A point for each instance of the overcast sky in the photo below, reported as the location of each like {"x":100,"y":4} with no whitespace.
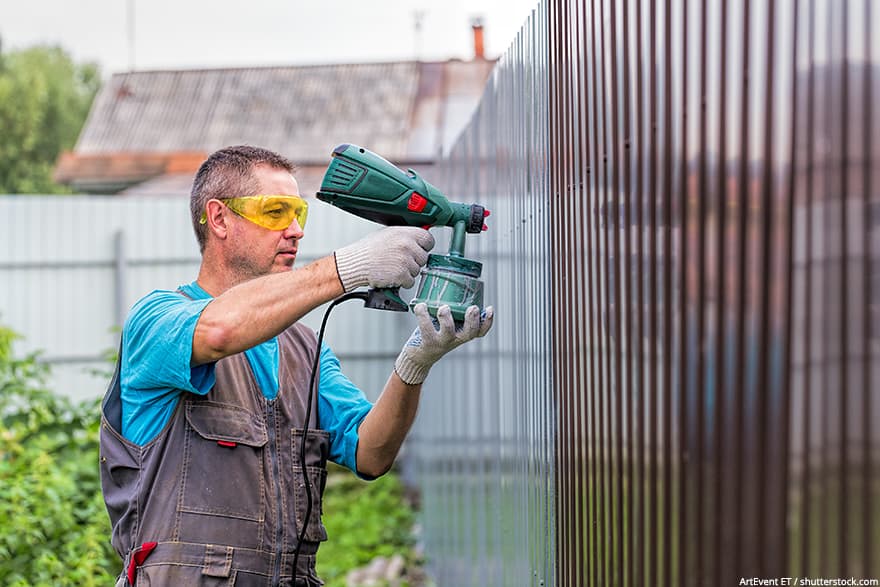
{"x":222,"y":33}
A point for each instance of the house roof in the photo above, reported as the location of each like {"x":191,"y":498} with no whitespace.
{"x":143,"y":122}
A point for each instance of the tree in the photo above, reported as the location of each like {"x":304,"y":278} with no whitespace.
{"x":44,"y":100}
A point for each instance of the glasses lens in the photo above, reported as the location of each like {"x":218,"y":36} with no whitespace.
{"x":272,"y":212}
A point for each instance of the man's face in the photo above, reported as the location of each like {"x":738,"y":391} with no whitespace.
{"x":255,"y":250}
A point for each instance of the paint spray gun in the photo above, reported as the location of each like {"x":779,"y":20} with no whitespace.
{"x":367,"y":185}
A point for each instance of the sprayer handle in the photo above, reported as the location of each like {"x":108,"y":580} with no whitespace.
{"x":385,"y":298}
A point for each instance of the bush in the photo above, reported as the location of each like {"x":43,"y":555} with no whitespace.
{"x":55,"y":527}
{"x":364,"y":520}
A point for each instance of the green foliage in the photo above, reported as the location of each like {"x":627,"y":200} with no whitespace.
{"x":364,"y":520}
{"x":55,"y":529}
{"x":44,"y":100}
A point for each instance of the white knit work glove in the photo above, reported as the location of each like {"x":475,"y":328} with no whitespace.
{"x":391,"y":257}
{"x":428,"y":343}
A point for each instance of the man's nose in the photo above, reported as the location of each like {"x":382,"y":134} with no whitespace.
{"x":294,"y":231}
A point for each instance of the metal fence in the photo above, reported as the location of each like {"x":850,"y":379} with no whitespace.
{"x":683,"y":384}
{"x":483,"y":448}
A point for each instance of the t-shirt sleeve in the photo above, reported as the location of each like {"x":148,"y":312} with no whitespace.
{"x":341,"y":409}
{"x":156,"y":353}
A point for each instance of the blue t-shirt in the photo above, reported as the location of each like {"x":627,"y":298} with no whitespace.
{"x":155,"y":371}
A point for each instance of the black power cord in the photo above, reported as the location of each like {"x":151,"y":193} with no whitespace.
{"x":367,"y":296}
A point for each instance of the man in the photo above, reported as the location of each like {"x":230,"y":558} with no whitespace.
{"x":204,"y":419}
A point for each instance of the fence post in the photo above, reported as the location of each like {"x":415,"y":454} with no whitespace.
{"x":120,"y":270}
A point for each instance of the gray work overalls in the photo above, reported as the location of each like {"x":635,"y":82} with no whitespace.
{"x":218,"y":497}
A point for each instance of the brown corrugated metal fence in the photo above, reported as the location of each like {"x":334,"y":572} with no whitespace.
{"x":718,"y":419}
{"x":700,"y":184}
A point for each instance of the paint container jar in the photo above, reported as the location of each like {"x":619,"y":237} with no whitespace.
{"x":450,"y":280}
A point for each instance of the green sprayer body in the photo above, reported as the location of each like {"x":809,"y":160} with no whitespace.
{"x":367,"y":185}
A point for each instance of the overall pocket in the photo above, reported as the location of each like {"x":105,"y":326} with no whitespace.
{"x":223,"y":462}
{"x":170,"y":574}
{"x":317,"y":450}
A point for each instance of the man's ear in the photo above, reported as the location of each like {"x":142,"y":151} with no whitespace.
{"x":215,"y":213}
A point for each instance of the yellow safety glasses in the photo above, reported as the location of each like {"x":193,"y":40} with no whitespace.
{"x":272,"y":212}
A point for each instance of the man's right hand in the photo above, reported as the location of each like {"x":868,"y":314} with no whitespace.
{"x":391,"y":257}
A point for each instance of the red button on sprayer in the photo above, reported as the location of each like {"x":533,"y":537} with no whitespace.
{"x":417,"y":202}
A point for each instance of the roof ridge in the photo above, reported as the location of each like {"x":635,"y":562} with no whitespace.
{"x":280,"y":66}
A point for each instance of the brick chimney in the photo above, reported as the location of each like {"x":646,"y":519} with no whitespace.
{"x":477,"y":26}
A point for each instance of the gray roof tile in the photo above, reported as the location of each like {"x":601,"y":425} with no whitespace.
{"x":297,"y":111}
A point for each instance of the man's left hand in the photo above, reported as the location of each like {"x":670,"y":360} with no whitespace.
{"x":433,"y":339}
